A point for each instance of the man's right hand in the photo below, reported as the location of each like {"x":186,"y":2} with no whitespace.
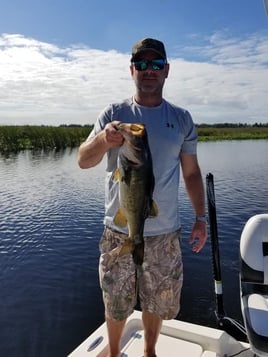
{"x":112,"y":136}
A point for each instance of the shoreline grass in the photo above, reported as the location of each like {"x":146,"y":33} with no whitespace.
{"x":17,"y":138}
{"x":36,"y":138}
{"x":213,"y":133}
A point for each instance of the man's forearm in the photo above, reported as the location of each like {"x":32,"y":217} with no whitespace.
{"x":91,"y":152}
{"x":195,"y":189}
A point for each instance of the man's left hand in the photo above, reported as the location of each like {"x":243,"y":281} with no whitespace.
{"x":198,"y":236}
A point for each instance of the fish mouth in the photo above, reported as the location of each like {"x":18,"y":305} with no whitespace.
{"x":136,"y":129}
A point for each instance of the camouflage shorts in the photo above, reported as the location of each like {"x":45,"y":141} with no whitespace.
{"x":158,"y":281}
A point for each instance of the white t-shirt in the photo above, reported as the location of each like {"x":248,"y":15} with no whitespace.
{"x":171,"y":131}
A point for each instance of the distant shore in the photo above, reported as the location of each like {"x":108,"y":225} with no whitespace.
{"x":17,"y":138}
{"x":232,"y":132}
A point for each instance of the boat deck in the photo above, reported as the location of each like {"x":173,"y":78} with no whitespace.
{"x":176,"y":339}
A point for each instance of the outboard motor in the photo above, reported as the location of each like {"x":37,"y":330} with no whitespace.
{"x":254,"y":282}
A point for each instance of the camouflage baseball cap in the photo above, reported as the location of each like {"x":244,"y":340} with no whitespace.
{"x":148,"y":44}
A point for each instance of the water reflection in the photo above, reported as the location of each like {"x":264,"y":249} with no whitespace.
{"x":51,"y":220}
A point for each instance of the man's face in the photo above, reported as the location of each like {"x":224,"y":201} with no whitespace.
{"x":149,"y":81}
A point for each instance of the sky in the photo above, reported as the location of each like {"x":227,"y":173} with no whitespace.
{"x":63,"y":61}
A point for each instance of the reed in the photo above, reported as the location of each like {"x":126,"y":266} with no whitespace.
{"x":213,"y":133}
{"x":16,"y":138}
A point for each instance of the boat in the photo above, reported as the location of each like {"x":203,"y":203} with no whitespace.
{"x":179,"y":338}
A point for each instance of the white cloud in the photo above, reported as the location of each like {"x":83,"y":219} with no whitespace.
{"x":42,"y":83}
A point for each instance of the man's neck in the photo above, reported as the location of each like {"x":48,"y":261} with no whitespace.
{"x":148,"y":101}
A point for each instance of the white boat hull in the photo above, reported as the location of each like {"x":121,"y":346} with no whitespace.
{"x":177,"y":338}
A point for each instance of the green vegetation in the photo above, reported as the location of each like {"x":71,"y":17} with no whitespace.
{"x":232,"y":132}
{"x":16,"y":138}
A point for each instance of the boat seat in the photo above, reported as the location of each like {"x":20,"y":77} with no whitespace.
{"x":254,"y":282}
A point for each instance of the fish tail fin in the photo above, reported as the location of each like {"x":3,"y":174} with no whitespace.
{"x":138,"y":253}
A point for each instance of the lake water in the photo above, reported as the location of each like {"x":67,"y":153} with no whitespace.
{"x":50,"y":223}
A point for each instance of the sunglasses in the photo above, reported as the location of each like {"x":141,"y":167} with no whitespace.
{"x":156,"y":64}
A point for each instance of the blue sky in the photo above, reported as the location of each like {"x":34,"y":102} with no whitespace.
{"x":62,"y":61}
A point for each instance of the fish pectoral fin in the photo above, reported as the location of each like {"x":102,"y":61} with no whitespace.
{"x":153,"y":211}
{"x":127,"y":248}
{"x":116,"y":175}
{"x":120,"y":219}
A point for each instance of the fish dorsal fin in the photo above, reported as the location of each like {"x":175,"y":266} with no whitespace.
{"x":120,"y":219}
{"x":153,"y":211}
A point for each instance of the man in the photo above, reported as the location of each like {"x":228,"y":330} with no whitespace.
{"x":172,"y":139}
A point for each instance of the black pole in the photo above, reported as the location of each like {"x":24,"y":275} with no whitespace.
{"x":234,"y":328}
{"x":215,"y":247}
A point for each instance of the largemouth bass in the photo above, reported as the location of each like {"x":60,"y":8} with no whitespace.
{"x":136,"y":186}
